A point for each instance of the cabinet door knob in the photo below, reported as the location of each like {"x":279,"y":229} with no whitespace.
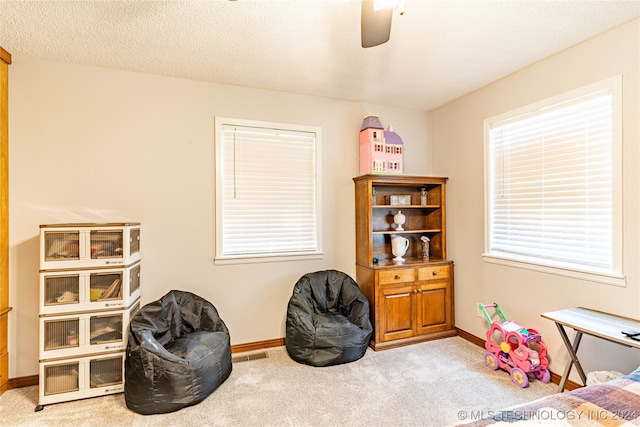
{"x":397,"y":277}
{"x":435,"y":273}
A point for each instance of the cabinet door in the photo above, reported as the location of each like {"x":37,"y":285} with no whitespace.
{"x":60,"y":377}
{"x":434,"y":300}
{"x":397,"y":312}
{"x":4,"y":353}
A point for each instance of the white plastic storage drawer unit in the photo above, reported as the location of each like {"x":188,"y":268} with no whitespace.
{"x":81,"y":377}
{"x":65,"y":291}
{"x":80,"y":334}
{"x":72,"y":246}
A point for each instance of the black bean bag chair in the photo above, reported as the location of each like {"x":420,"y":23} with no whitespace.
{"x":178,"y":353}
{"x":327,"y":320}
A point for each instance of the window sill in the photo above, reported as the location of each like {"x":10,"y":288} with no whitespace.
{"x":605,"y":278}
{"x":254,"y":259}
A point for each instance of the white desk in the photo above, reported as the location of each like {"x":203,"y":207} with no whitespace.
{"x":591,"y":322}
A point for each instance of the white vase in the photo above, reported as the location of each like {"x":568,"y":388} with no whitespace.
{"x":399,"y":219}
{"x":399,"y":246}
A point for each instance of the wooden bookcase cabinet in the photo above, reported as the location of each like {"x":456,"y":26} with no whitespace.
{"x":89,"y":289}
{"x":410,"y":301}
{"x":5,"y":308}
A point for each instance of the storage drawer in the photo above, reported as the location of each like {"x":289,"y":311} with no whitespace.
{"x":4,"y":369}
{"x":71,"y":246}
{"x":84,"y":290}
{"x":84,"y":333}
{"x":434,"y":272}
{"x":400,"y":275}
{"x":81,"y":377}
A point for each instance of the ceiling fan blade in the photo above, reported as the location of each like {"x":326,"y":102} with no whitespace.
{"x":375,"y":26}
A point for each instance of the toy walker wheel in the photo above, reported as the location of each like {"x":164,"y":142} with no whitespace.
{"x":519,"y":377}
{"x":543,"y":375}
{"x":491,"y":361}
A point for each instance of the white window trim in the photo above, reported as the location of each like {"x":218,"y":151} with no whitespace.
{"x":221,"y":259}
{"x":615,"y":278}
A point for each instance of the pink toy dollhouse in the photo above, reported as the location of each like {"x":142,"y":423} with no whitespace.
{"x":380,"y":150}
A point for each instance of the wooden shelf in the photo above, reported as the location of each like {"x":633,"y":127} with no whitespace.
{"x":406,"y":206}
{"x":408,"y":262}
{"x":429,"y":231}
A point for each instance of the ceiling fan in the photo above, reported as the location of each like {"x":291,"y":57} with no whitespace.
{"x":375,"y":25}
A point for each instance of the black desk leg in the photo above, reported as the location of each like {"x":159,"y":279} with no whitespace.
{"x":572,"y":349}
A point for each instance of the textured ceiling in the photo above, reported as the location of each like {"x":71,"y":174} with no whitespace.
{"x":439,"y":50}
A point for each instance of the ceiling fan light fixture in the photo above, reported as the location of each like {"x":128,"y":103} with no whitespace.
{"x":385,"y":4}
{"x":375,"y":25}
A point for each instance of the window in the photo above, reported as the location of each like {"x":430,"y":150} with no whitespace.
{"x":268,"y":195}
{"x":554,"y":186}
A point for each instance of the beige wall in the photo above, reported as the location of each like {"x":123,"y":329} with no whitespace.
{"x":458,"y":153}
{"x":92,"y":144}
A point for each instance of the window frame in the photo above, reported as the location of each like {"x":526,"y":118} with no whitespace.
{"x":616,"y":275}
{"x":220,"y":257}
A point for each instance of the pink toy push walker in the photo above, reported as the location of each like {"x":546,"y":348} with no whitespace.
{"x":518,"y":350}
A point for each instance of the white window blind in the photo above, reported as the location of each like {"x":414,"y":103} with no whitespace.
{"x":267,"y":190}
{"x":553,"y":193}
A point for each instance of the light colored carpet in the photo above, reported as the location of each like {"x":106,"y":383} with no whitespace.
{"x":435,"y":383}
